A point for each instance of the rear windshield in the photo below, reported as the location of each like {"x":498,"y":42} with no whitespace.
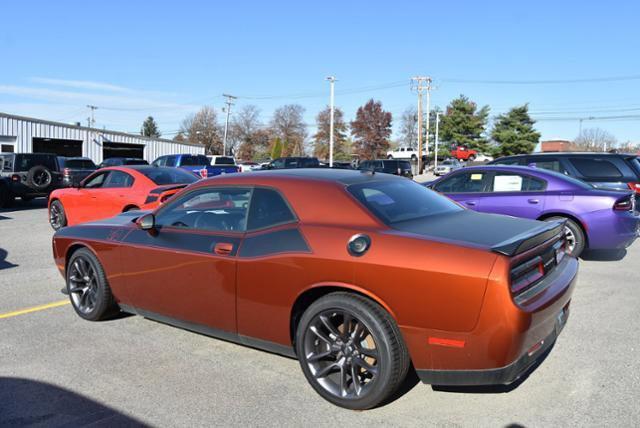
{"x":224,"y":160}
{"x":26,"y":162}
{"x":162,"y":176}
{"x":199,"y":160}
{"x":395,"y":201}
{"x":136,"y":162}
{"x":78,"y":164}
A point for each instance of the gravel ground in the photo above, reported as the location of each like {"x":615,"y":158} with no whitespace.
{"x":56,"y":369}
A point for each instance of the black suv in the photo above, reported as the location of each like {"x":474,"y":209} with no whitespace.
{"x":122,"y":161}
{"x":388,"y":166}
{"x":27,"y":175}
{"x":616,"y":171}
{"x":293,"y":162}
{"x":74,"y":170}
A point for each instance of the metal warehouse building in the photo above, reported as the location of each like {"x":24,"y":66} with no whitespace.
{"x":27,"y":135}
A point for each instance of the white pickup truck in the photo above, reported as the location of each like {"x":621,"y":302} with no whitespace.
{"x":404,"y":153}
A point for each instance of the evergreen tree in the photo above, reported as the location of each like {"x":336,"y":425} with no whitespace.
{"x":276,"y":150}
{"x":513,"y":132}
{"x":464,"y":124}
{"x":150,"y":128}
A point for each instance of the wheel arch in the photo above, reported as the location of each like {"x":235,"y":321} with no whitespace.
{"x":130,"y":207}
{"x":316,"y":291}
{"x":71,"y":249}
{"x":575,"y":219}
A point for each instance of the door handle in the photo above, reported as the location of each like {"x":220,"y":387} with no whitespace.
{"x":223,"y":248}
{"x":534,"y":201}
{"x":470,"y":203}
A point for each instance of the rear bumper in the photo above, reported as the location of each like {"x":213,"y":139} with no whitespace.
{"x":612,"y":231}
{"x":498,"y":376}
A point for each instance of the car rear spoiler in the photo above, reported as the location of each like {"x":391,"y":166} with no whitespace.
{"x":525,"y":241}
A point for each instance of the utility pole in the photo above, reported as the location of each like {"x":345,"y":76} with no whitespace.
{"x":420,"y":83}
{"x":91,"y":121}
{"x":332,"y":81}
{"x":229,"y":103}
{"x":428,"y":117}
{"x":435,"y":155}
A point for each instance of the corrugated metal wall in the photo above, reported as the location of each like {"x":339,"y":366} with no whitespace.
{"x":25,"y":129}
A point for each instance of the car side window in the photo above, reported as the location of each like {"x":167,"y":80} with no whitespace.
{"x":469,"y":182}
{"x":117,"y":179}
{"x":596,"y":168}
{"x":96,"y":181}
{"x":552,"y":164}
{"x":171,"y":161}
{"x":268,"y":208}
{"x":212,"y":209}
{"x":278,"y":163}
{"x":162,"y":161}
{"x":510,"y":182}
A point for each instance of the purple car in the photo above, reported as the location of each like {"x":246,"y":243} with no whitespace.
{"x":596,"y":219}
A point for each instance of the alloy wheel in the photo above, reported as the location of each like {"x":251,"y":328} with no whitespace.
{"x":55,"y":217}
{"x":83,"y":285}
{"x":570,"y":238}
{"x":341,"y":354}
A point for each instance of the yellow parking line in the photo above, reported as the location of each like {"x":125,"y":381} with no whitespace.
{"x":34,"y":309}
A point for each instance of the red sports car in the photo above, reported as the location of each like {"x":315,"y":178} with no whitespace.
{"x":357,"y":274}
{"x":111,"y":191}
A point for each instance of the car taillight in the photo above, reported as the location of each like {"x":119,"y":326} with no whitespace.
{"x":635,"y":186}
{"x":66,"y":172}
{"x":626,"y":204}
{"x":238,"y":169}
{"x":15,"y":177}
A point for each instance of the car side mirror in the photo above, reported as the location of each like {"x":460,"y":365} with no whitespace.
{"x":147,"y":222}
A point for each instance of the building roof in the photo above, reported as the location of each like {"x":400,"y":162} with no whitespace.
{"x":86,"y":128}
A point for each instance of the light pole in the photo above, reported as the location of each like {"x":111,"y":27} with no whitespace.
{"x":332,"y":81}
{"x":435,"y":155}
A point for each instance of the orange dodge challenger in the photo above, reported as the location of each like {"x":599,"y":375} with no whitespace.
{"x":356,"y":274}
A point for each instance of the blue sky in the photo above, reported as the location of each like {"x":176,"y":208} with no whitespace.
{"x":166,"y":59}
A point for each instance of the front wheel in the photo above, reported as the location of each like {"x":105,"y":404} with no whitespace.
{"x":574,"y":235}
{"x":57,"y":216}
{"x":389,"y":157}
{"x":472,"y":158}
{"x":88,"y":288}
{"x":351,"y":351}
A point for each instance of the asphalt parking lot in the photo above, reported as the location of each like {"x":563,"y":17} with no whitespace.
{"x":56,"y":369}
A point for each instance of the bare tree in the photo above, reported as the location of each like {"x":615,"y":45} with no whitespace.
{"x":409,"y":128}
{"x":594,"y":140}
{"x":203,"y":128}
{"x":288,"y":124}
{"x":256,"y":147}
{"x":244,"y":125}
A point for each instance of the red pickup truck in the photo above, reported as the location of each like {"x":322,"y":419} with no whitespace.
{"x":462,"y":153}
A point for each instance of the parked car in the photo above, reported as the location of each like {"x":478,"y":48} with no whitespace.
{"x":404,"y":153}
{"x":113,"y":190}
{"x":221,"y":160}
{"x":342,"y":164}
{"x":118,"y":161}
{"x":446,"y":166}
{"x":28,"y":176}
{"x":463,"y":154}
{"x":481,"y":157}
{"x":602,"y":170}
{"x":358,"y":298}
{"x":387,"y":166}
{"x":293,"y":162}
{"x":249,"y":166}
{"x":75,"y":169}
{"x":595,"y":219}
{"x":198,"y":164}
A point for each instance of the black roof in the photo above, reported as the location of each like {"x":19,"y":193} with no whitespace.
{"x":345,"y":176}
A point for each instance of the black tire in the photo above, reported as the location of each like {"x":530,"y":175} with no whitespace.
{"x":130,"y":208}
{"x":39,"y":178}
{"x":389,"y":156}
{"x":414,"y":158}
{"x":57,"y":215}
{"x":472,"y":158}
{"x":379,"y":370}
{"x":95,"y":291}
{"x":575,"y":232}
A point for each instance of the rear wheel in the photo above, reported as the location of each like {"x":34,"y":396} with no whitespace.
{"x":389,"y":157}
{"x":88,"y":288}
{"x":472,"y":158}
{"x":351,"y":351}
{"x":57,"y":216}
{"x":574,"y":235}
{"x":130,"y":208}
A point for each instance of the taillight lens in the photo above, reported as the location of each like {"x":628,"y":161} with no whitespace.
{"x":635,"y":186}
{"x":66,"y":172}
{"x":626,"y":204}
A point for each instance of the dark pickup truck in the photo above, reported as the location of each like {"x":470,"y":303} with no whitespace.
{"x":197,"y":164}
{"x":28,"y":176}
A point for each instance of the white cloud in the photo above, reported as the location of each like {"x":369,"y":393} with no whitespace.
{"x":81,"y":84}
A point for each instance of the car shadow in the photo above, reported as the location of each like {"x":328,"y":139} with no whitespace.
{"x":4,"y":264}
{"x":26,"y":402}
{"x":5,"y":217}
{"x":495,"y":389}
{"x":603,"y":255}
{"x":19,"y":205}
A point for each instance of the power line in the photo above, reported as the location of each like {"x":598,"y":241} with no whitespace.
{"x":544,"y":82}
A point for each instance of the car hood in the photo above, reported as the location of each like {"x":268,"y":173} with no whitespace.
{"x":502,"y":234}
